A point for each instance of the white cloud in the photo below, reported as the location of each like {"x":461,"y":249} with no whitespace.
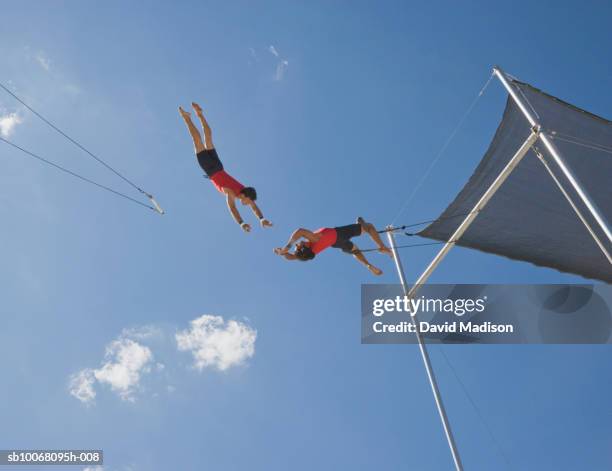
{"x":273,"y":51}
{"x":82,"y":386}
{"x":125,"y":361}
{"x":8,"y":122}
{"x":216,"y":343}
{"x":281,"y":67}
{"x":129,"y":366}
{"x":43,"y":61}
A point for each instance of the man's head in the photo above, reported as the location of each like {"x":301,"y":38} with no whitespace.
{"x":247,"y":194}
{"x":303,"y":252}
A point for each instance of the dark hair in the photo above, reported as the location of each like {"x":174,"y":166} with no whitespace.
{"x":304,"y":253}
{"x":249,"y":192}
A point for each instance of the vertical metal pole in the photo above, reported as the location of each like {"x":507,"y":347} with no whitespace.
{"x":484,"y":199}
{"x":430,"y":374}
{"x":556,"y":155}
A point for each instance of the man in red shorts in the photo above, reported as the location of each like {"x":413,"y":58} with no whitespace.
{"x":337,"y":237}
{"x":212,"y":166}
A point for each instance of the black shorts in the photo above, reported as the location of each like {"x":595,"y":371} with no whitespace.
{"x":209,"y":161}
{"x":344,"y":235}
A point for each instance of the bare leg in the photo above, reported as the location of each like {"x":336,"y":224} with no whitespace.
{"x":205,"y":127}
{"x":371,"y":230}
{"x":195,"y":134}
{"x":361,"y":258}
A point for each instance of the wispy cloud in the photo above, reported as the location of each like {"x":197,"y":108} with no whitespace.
{"x":82,"y":386}
{"x":273,"y":51}
{"x":146,"y":332}
{"x":43,"y":61}
{"x":281,"y":68}
{"x":213,"y":342}
{"x":281,"y":63}
{"x":8,"y":123}
{"x":125,"y":362}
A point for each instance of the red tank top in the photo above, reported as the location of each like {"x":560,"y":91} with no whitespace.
{"x":222,"y":179}
{"x":328,"y":238}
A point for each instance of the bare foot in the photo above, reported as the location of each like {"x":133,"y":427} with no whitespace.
{"x":184,"y":113}
{"x":196,"y":107}
{"x":386,"y":250}
{"x":376,"y":271}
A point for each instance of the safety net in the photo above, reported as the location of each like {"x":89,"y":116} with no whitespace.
{"x":529,"y":218}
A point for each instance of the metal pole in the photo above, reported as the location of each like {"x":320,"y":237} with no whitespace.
{"x":430,"y":374}
{"x":556,"y":155}
{"x":484,"y":199}
{"x":573,"y":205}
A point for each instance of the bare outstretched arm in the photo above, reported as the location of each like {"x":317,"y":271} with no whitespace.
{"x":301,"y":234}
{"x":193,"y":131}
{"x":264,"y":222}
{"x":231,"y":204}
{"x":208,"y":144}
{"x":297,"y":235}
{"x":288,"y":256}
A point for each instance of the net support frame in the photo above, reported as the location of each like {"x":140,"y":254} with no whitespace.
{"x":560,"y":162}
{"x":411,"y":293}
{"x":573,"y":204}
{"x":473,"y":214}
{"x":536,"y":134}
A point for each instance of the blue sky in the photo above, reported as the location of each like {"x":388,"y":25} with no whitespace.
{"x":367,"y":96}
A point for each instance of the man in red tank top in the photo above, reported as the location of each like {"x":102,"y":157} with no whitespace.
{"x":212,"y":166}
{"x":337,"y":237}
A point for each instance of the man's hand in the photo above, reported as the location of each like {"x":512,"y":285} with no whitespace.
{"x":265,"y":223}
{"x":281,"y":250}
{"x":245,"y":227}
